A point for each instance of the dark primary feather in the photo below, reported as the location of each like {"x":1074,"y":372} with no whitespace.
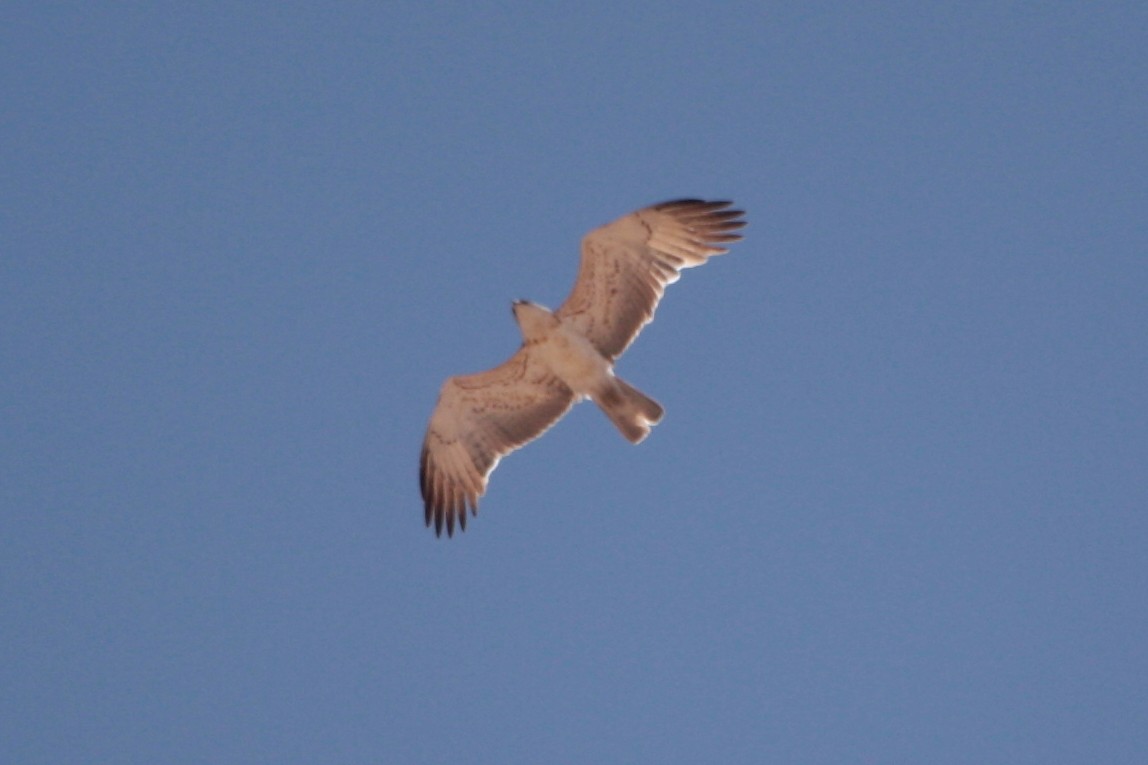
{"x":479,"y":419}
{"x":627,"y":264}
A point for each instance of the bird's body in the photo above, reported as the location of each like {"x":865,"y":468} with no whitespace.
{"x":567,"y":355}
{"x":560,"y":347}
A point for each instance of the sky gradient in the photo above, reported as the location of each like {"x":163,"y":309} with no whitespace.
{"x":896,"y":509}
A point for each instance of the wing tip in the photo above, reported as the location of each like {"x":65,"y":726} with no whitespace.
{"x":448,"y":516}
{"x":440,"y":510}
{"x":710,"y":225}
{"x":699,"y":205}
{"x":714,"y":220}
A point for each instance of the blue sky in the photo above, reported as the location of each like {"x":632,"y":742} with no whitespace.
{"x":896,"y":510}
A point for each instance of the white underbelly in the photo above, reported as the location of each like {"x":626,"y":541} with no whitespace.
{"x":574,"y":361}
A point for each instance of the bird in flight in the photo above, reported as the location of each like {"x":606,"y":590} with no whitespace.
{"x":567,"y":355}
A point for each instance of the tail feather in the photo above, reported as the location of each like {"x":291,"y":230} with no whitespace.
{"x":631,"y":411}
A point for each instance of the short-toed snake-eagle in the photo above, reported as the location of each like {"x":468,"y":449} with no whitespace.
{"x":568,"y":355}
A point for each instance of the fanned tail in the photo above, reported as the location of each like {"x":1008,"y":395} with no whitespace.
{"x":631,"y":411}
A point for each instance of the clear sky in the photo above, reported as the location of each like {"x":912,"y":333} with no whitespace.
{"x":896,"y":511}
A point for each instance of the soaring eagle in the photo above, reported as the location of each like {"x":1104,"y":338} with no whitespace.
{"x":568,"y":355}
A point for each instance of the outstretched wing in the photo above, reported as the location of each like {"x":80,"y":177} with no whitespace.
{"x":627,"y":264}
{"x":479,"y":419}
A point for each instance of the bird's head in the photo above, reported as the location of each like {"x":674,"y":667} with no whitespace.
{"x":533,"y":319}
